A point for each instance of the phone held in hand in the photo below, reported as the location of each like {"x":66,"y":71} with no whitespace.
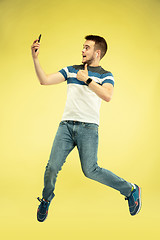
{"x":38,"y":41}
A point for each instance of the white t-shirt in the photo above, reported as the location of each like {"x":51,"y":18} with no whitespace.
{"x":82,"y":103}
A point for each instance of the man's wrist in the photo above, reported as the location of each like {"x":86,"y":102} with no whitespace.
{"x":35,"y":58}
{"x":89,"y":80}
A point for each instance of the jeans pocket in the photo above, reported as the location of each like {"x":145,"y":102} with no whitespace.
{"x":91,"y":127}
{"x":63,"y":123}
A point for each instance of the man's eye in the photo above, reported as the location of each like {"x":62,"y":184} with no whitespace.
{"x":86,"y":47}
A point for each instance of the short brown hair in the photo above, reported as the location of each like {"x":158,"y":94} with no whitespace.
{"x":100,"y":43}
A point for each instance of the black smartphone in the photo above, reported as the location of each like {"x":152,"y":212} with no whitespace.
{"x":38,"y":41}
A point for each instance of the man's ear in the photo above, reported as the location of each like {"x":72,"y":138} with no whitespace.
{"x":98,"y":53}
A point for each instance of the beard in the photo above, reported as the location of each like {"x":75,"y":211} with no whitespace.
{"x":89,"y":61}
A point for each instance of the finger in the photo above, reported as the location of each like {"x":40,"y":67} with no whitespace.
{"x":85,"y":67}
{"x":35,"y":41}
{"x":35,"y":45}
{"x":34,"y":48}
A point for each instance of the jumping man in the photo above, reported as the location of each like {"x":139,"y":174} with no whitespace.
{"x":87,"y":85}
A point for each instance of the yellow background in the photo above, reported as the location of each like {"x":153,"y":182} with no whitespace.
{"x":30,"y":114}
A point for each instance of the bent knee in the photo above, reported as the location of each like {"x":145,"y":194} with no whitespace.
{"x":87,"y":173}
{"x":90,"y":172}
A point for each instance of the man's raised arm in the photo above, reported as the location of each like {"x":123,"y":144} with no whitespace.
{"x":44,"y":79}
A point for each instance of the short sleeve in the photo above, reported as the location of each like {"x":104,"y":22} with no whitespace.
{"x":108,"y":78}
{"x":64,"y":72}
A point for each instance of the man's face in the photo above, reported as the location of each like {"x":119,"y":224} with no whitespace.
{"x":88,"y":52}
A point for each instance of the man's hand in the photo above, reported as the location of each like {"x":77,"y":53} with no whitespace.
{"x":82,"y":75}
{"x":35,"y":45}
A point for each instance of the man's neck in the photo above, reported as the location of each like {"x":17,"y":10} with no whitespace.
{"x":94,"y":65}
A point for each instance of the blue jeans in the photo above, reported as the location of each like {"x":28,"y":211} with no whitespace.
{"x":85,"y":137}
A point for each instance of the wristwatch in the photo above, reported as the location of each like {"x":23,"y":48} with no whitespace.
{"x":89,"y":80}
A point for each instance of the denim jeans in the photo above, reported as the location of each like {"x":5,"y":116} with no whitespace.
{"x":85,"y":137}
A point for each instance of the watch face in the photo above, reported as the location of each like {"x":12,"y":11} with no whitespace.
{"x":88,"y":81}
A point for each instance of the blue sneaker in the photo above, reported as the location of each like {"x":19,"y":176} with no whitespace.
{"x":134,"y":200}
{"x":42,"y":211}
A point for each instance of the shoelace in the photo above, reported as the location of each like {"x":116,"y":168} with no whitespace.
{"x":43,"y":202}
{"x":40,"y":199}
